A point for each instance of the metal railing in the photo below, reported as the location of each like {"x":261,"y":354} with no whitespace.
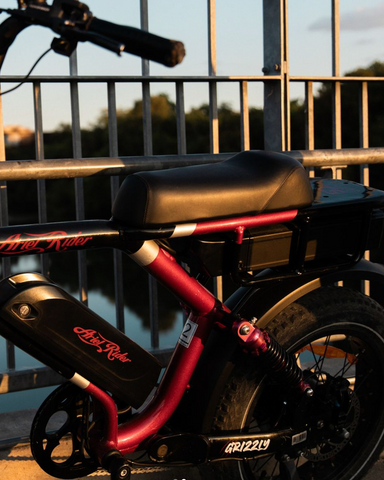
{"x":277,"y":132}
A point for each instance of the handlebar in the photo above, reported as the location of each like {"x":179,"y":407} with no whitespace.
{"x":74,"y":22}
{"x":9,"y":30}
{"x":141,"y":43}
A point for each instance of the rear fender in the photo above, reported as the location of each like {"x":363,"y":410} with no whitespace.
{"x":265,"y":303}
{"x":198,"y":405}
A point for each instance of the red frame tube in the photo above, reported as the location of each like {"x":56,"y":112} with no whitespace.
{"x":205,"y":311}
{"x":161,"y":265}
{"x":128,"y":437}
{"x":262,"y":220}
{"x":171,"y":390}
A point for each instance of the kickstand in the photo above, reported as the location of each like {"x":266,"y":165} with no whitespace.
{"x":288,"y":469}
{"x":118,"y":467}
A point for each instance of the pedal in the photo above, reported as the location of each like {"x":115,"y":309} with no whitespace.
{"x":288,"y":469}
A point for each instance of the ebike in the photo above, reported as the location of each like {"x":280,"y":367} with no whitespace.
{"x":284,"y":380}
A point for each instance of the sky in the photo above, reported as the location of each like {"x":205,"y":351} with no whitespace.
{"x":239,"y":52}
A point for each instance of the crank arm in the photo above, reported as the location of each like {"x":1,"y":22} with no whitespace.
{"x":195,"y":448}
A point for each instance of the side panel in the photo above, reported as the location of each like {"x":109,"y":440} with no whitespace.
{"x":199,"y":403}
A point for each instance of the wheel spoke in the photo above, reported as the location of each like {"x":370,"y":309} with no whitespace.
{"x":260,"y":467}
{"x":325,"y":353}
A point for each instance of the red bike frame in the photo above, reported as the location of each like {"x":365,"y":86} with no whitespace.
{"x":205,"y":311}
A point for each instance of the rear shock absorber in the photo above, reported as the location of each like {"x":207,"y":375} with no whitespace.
{"x":275,"y":360}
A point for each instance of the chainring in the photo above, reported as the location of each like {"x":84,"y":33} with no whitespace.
{"x":59,"y":433}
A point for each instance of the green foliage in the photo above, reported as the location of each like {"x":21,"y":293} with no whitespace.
{"x":95,"y":139}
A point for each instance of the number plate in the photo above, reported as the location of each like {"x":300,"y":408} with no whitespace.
{"x":187,"y":333}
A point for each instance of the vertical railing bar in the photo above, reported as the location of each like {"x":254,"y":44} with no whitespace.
{"x":6,"y":262}
{"x":244,"y":116}
{"x":213,"y":108}
{"x":115,"y":183}
{"x":337,"y":115}
{"x":336,"y":88}
{"x":212,"y":69}
{"x":285,"y":73}
{"x":180,"y":119}
{"x":39,"y":153}
{"x":309,"y":122}
{"x":336,"y":38}
{"x":364,"y":143}
{"x":112,"y":121}
{"x":148,"y":150}
{"x":147,"y":118}
{"x":364,"y":122}
{"x":79,"y":184}
{"x":310,"y":119}
{"x":364,"y":129}
{"x":213,"y":118}
{"x":181,"y":139}
{"x":144,"y":23}
{"x":273,"y":58}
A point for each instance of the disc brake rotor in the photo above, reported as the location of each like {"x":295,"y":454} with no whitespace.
{"x":59,"y":433}
{"x":330,"y":447}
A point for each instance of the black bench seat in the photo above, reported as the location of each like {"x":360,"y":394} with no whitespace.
{"x":249,"y":183}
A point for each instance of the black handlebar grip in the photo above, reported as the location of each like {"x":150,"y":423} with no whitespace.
{"x":141,"y":43}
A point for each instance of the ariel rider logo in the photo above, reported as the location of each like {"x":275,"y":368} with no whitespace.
{"x":57,"y":241}
{"x":103,"y":346}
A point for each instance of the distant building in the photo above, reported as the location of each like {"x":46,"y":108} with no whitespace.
{"x":16,"y":134}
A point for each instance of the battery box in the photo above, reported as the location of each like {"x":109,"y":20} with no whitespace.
{"x":51,"y":325}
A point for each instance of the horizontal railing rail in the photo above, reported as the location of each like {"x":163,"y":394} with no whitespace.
{"x":86,"y":167}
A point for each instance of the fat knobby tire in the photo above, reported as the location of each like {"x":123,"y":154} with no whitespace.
{"x":320,"y":313}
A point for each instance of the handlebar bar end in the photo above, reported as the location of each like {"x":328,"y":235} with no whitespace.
{"x":177,"y":54}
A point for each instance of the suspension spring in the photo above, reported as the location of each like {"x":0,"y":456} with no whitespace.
{"x":281,"y":364}
{"x":273,"y":357}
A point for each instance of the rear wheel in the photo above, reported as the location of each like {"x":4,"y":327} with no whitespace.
{"x":336,"y":335}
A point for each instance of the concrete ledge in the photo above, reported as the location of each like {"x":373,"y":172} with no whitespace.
{"x":17,"y":463}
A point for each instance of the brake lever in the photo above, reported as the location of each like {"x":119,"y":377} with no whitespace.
{"x":73,"y":12}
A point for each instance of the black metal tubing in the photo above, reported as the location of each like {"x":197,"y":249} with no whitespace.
{"x":59,"y":237}
{"x":251,"y":445}
{"x":196,"y":448}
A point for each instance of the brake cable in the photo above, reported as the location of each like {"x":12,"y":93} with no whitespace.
{"x":28,"y":74}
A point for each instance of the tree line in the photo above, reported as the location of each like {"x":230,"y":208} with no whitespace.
{"x":58,"y":144}
{"x":95,"y":139}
